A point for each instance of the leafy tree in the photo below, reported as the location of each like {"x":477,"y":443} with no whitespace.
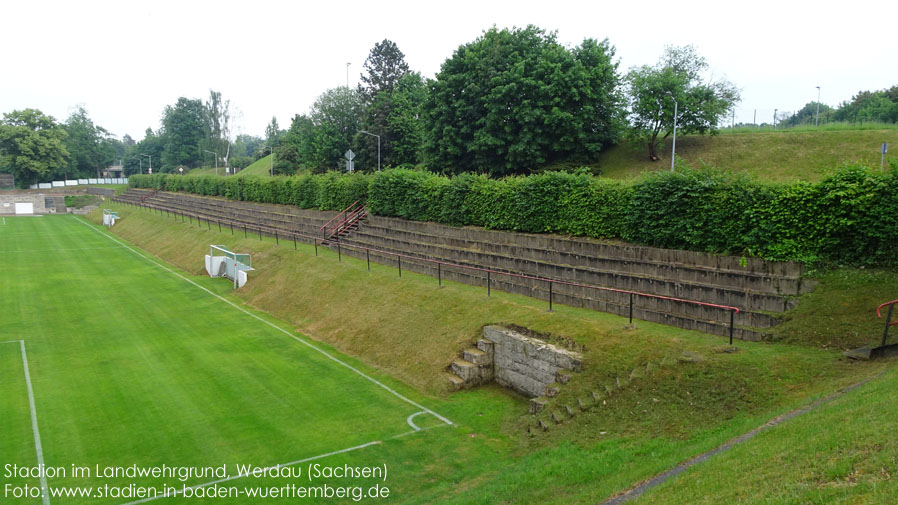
{"x":385,"y":65}
{"x":273,"y":133}
{"x":514,"y":100}
{"x":806,"y":115}
{"x":184,"y":129}
{"x":247,"y":145}
{"x":879,"y":106}
{"x":336,"y":116}
{"x":32,"y":145}
{"x":91,"y":147}
{"x":218,"y":126}
{"x":677,"y":76}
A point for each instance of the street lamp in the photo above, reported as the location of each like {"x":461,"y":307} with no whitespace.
{"x":378,"y":146}
{"x":817,"y":118}
{"x":270,"y":162}
{"x":150,"y":156}
{"x":139,"y":160}
{"x":216,"y":159}
{"x":673,"y":151}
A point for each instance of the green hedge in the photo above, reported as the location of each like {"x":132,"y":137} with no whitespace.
{"x":850,"y":217}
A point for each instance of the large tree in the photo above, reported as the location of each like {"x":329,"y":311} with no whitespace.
{"x":218,"y":126}
{"x":514,"y":100}
{"x":678,"y":76}
{"x":384,"y":67}
{"x":91,"y":147}
{"x":184,"y":129}
{"x":32,"y":146}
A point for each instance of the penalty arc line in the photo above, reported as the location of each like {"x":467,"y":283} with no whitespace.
{"x":241,"y":475}
{"x":38,"y":448}
{"x":289,"y":334}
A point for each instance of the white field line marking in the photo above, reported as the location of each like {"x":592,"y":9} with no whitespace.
{"x":285,"y":332}
{"x":241,"y":475}
{"x":38,"y":448}
{"x":409,"y":420}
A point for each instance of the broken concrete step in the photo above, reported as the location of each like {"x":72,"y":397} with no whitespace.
{"x":538,"y":404}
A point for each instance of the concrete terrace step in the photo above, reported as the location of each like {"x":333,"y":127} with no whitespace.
{"x":742,"y":298}
{"x":749,"y":325}
{"x":599,"y":248}
{"x":744,"y":279}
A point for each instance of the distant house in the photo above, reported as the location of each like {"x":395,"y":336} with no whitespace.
{"x":113,"y":171}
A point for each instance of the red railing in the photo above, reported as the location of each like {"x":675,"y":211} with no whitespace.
{"x":489,"y":272}
{"x":889,"y":322}
{"x":345,"y":218}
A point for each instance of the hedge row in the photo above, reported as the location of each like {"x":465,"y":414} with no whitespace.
{"x":850,"y":217}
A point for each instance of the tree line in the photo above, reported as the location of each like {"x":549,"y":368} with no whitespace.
{"x":513,"y":101}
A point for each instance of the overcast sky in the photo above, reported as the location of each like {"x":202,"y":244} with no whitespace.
{"x":124,"y":61}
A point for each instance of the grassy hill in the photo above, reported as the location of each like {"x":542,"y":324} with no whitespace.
{"x":776,"y":156}
{"x":259,"y":167}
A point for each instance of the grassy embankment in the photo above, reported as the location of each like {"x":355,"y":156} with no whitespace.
{"x":410,"y":329}
{"x":259,"y":167}
{"x":774,"y":156}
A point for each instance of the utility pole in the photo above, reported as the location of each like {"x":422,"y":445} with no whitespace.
{"x":774,"y":119}
{"x":817,"y":118}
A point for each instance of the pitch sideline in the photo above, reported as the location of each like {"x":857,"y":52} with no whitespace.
{"x":38,"y":448}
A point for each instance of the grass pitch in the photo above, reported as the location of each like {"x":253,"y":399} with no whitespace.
{"x":134,"y":365}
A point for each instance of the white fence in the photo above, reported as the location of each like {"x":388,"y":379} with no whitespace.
{"x":79,"y":182}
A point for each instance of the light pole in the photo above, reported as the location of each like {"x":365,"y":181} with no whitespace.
{"x":139,"y":160}
{"x":817,"y":118}
{"x":774,"y":119}
{"x":673,"y":151}
{"x":270,"y":162}
{"x":378,"y":146}
{"x":150,"y":156}
{"x":216,"y":159}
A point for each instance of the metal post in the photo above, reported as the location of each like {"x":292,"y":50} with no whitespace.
{"x":817,"y":117}
{"x":232,"y":227}
{"x":339,"y":252}
{"x":260,"y":234}
{"x":732,"y":314}
{"x":673,"y":151}
{"x":631,"y":309}
{"x":277,"y":241}
{"x":316,"y":247}
{"x":440,"y":274}
{"x":209,"y":224}
{"x":488,"y":279}
{"x":244,"y":231}
{"x":885,"y":332}
{"x":294,"y":241}
{"x":219,"y":225}
{"x":400,"y":265}
{"x":550,"y":296}
{"x":182,"y":217}
{"x":368,"y":258}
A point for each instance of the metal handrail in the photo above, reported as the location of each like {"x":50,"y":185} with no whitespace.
{"x":889,"y":322}
{"x":343,"y":212}
{"x":317,"y":240}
